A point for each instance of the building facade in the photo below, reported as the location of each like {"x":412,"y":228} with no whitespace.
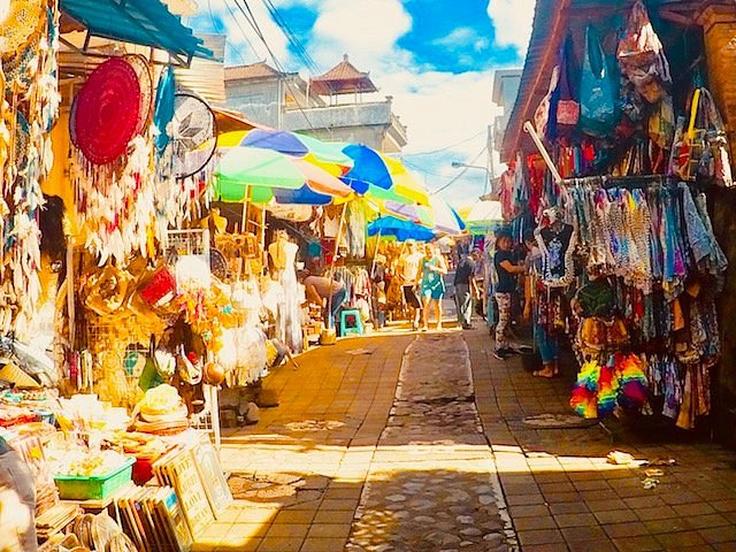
{"x":339,"y":106}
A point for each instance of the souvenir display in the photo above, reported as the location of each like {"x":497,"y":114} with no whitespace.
{"x":29,"y":105}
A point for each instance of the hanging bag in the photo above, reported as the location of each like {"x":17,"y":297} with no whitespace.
{"x":568,"y":108}
{"x":641,"y":56}
{"x":703,"y":149}
{"x":599,"y":112}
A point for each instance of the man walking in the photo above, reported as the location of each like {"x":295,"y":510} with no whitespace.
{"x":466,"y":288}
{"x":409,"y":273}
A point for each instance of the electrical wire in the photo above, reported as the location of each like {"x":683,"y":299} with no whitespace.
{"x":242,"y":31}
{"x":459,"y":176}
{"x":450,"y":146}
{"x":291,"y":36}
{"x":245,"y":9}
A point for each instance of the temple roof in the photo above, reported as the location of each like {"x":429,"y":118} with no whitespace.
{"x":343,"y":78}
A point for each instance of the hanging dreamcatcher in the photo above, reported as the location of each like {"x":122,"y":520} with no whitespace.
{"x":193,"y":135}
{"x":28,"y":108}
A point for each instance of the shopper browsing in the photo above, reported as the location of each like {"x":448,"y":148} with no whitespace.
{"x":507,"y":273}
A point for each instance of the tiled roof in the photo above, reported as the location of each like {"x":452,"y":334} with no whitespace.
{"x":343,"y":78}
{"x":260,"y":70}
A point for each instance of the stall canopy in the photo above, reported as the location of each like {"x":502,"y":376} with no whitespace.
{"x":402,"y":230}
{"x":143,"y":22}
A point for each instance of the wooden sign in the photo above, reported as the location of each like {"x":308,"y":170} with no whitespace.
{"x":191,"y":493}
{"x":213,"y":480}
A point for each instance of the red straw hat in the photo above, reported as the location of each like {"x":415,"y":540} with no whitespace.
{"x":107,"y":111}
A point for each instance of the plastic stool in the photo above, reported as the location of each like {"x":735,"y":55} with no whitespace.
{"x":350,"y":322}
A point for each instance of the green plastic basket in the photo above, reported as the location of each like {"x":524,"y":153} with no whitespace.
{"x":96,"y":487}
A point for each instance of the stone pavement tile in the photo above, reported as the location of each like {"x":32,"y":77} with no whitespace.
{"x":536,"y":522}
{"x":524,"y":500}
{"x":724,"y":505}
{"x":332,"y":531}
{"x":672,"y":525}
{"x":714,"y":535}
{"x":558,"y":487}
{"x":294,"y":517}
{"x":543,"y":536}
{"x":307,"y":505}
{"x":656,"y":512}
{"x":563,"y":497}
{"x":339,"y":504}
{"x":532,"y":510}
{"x":568,"y":508}
{"x":574,"y":520}
{"x":644,"y":502}
{"x":280,"y":544}
{"x":248,"y":529}
{"x":583,"y":533}
{"x":605,"y":505}
{"x":250,"y":546}
{"x":643,"y":543}
{"x":323,"y":545}
{"x":287,"y":530}
{"x":628,"y":529}
{"x":685,"y":497}
{"x":615,"y":516}
{"x":601,"y":494}
{"x":591,"y":485}
{"x":725,"y":546}
{"x":600,"y":545}
{"x":556,"y":547}
{"x":707,"y":520}
{"x":694,"y":509}
{"x":678,"y":540}
{"x":334,"y":516}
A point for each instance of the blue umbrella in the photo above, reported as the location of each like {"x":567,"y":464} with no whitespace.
{"x":277,"y":140}
{"x":368,"y":169}
{"x":303,"y":196}
{"x":402,"y":230}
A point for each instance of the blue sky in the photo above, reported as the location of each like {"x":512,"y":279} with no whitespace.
{"x":435,"y":57}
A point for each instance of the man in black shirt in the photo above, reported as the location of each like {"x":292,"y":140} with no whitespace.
{"x":465,"y":288}
{"x":507,"y":272}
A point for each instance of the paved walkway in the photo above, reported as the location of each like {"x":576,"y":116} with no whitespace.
{"x":412,"y":444}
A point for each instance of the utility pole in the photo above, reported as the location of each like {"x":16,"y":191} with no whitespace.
{"x":491,"y":169}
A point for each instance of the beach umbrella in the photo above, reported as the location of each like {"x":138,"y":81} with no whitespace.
{"x":402,"y":230}
{"x":263,"y":175}
{"x":405,"y":183}
{"x":445,"y":218}
{"x":327,"y":155}
{"x":484,"y":216}
{"x":369,"y":169}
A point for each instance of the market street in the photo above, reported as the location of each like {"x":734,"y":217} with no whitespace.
{"x":370,"y":451}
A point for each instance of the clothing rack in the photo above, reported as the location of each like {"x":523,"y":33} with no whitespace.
{"x":629,"y":182}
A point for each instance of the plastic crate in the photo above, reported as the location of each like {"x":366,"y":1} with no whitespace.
{"x":96,"y":487}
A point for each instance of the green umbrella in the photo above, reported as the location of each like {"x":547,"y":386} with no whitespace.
{"x":243,"y":167}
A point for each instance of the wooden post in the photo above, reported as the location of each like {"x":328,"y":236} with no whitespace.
{"x":719,"y":34}
{"x":334,"y":257}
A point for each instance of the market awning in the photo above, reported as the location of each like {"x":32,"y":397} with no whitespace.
{"x":142,"y":22}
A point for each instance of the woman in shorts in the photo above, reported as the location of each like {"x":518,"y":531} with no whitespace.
{"x":432,"y":286}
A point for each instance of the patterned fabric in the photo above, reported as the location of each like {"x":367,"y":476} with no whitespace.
{"x":504,"y":319}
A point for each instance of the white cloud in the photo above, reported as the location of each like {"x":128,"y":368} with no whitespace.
{"x":512,"y":20}
{"x":365,"y":29}
{"x":462,"y":37}
{"x":439,"y":108}
{"x":241,"y":36}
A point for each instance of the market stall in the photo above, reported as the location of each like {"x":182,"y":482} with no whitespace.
{"x":611,"y":185}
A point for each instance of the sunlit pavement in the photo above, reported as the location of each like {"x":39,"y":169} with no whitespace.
{"x":352,"y":460}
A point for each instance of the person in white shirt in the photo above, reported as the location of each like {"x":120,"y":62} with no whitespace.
{"x":410,"y":274}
